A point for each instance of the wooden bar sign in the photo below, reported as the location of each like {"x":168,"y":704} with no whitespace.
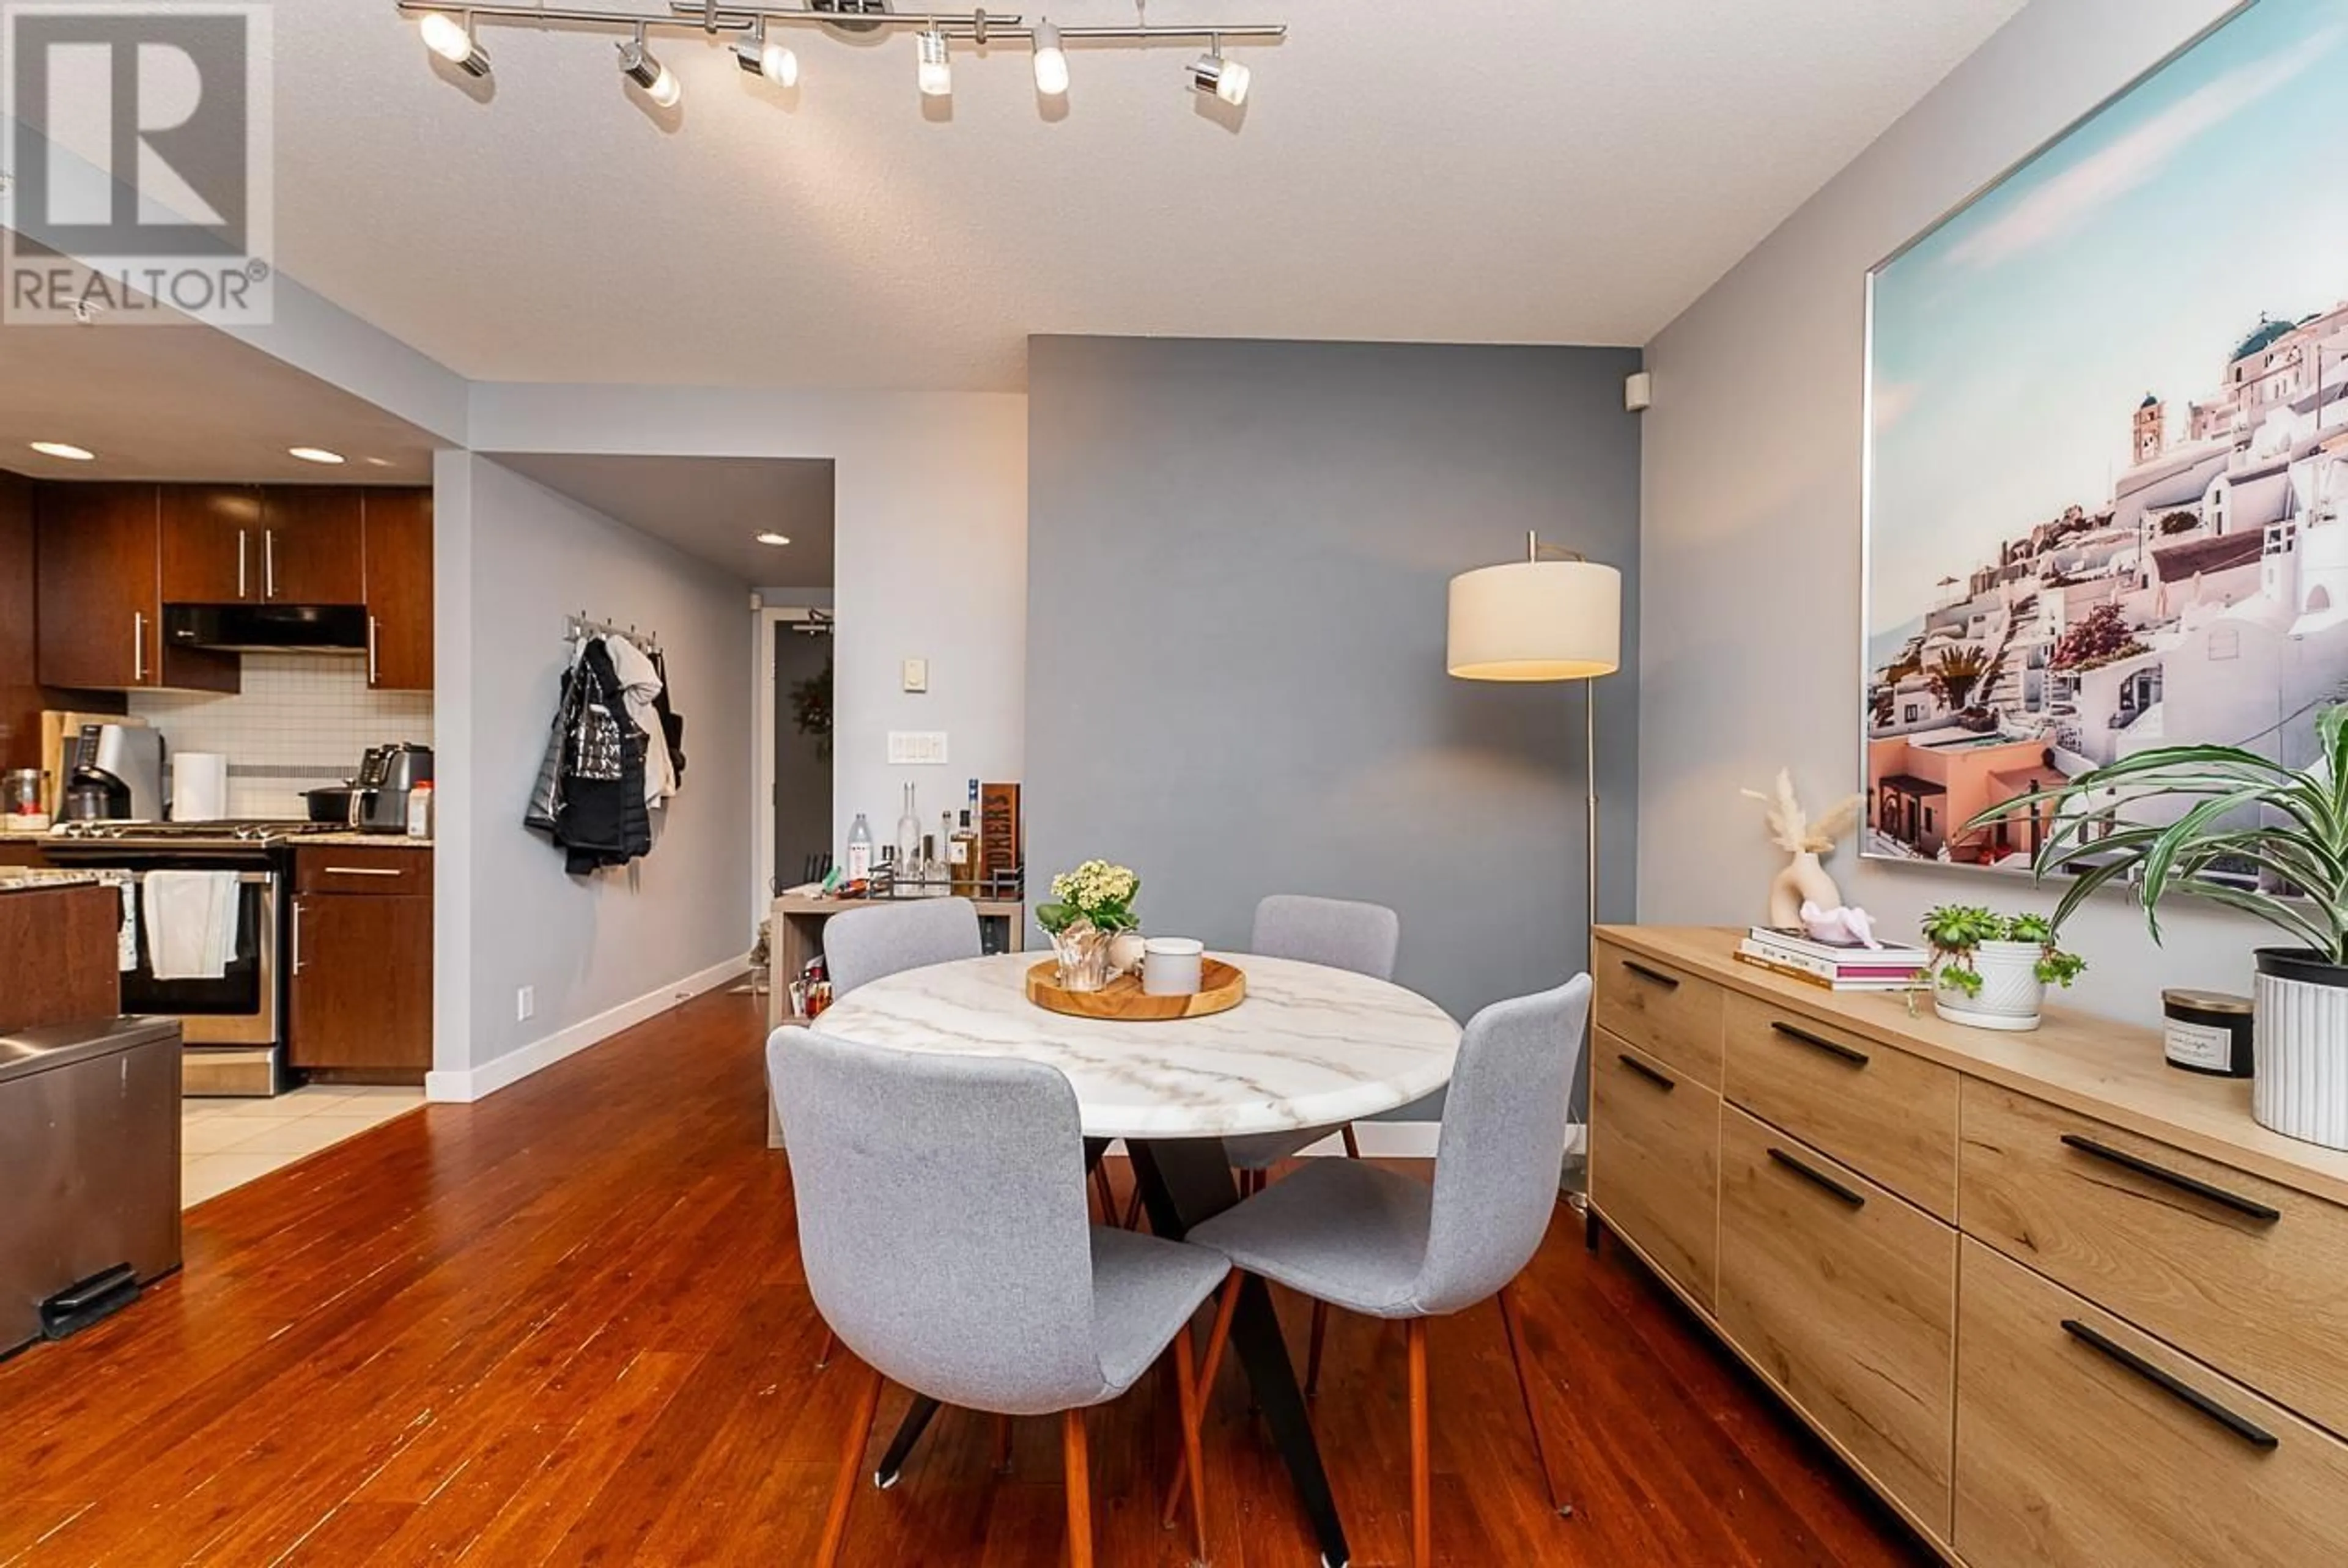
{"x":1001,"y":846}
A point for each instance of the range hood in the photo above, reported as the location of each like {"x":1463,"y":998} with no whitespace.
{"x":265,"y":627}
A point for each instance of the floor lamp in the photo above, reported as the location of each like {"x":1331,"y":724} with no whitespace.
{"x":1553,"y":616}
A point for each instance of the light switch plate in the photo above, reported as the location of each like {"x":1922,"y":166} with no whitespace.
{"x":525,"y":1003}
{"x":917,"y":748}
{"x":917,"y":674}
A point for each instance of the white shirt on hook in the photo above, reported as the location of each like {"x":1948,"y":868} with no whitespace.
{"x":640,"y":683}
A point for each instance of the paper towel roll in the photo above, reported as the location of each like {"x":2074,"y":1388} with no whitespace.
{"x":198,"y":786}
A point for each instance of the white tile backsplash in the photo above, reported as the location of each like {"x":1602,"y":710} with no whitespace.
{"x":302,"y":720}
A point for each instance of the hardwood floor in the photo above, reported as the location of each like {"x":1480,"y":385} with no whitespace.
{"x":567,"y":1326}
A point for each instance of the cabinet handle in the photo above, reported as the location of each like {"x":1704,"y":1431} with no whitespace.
{"x":138,"y":648}
{"x":1818,"y":1179}
{"x":2257,"y":1436}
{"x":374,"y":673}
{"x":360,"y":871}
{"x":2177,"y":1179}
{"x":1660,"y":1080}
{"x":269,"y":563}
{"x":1654,"y":976}
{"x":240,"y":564}
{"x":1833,"y":1048}
{"x":297,"y":936}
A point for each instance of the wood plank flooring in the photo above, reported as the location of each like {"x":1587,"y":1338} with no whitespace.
{"x":567,"y":1326}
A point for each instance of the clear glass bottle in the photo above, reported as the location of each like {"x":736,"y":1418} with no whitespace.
{"x":909,"y":839}
{"x":860,"y":849}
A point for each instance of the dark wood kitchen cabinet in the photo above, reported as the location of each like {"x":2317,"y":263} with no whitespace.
{"x":211,"y":544}
{"x":312,"y":539}
{"x":399,"y":589}
{"x":359,"y":1004}
{"x":100,"y":592}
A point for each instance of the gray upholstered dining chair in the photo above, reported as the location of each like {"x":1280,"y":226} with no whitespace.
{"x":1342,"y":935}
{"x":1374,"y":1241}
{"x":865,"y":945}
{"x":943,"y":1230}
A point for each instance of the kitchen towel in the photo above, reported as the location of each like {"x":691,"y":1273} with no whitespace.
{"x":198,"y":786}
{"x":190,"y":919}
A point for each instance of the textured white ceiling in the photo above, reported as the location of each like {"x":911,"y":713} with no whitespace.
{"x":1525,"y":171}
{"x":713,"y":508}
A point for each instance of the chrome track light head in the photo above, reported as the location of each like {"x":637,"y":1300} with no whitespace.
{"x":453,"y":41}
{"x":639,"y":66}
{"x":1051,"y":61}
{"x":759,"y":56}
{"x":935,"y":72}
{"x":1223,"y":77}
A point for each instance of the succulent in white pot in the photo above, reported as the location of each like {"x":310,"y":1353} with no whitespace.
{"x":1991,"y":970}
{"x":2251,"y":834}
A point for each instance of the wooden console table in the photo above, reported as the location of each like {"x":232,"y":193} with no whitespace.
{"x":2056,"y":1301}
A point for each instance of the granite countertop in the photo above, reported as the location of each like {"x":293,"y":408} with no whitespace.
{"x":363,"y":840}
{"x":34,"y":879}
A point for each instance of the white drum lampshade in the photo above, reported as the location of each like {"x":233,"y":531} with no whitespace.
{"x":1536,"y":620}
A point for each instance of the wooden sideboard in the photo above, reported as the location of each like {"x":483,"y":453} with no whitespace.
{"x":2056,"y":1301}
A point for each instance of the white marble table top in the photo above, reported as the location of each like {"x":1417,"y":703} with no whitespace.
{"x":1309,"y":1047}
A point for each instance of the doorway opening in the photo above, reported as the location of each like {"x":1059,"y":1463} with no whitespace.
{"x":799,"y":802}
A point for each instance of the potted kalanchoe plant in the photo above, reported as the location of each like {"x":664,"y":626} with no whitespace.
{"x":2249,"y":833}
{"x":1991,"y":970}
{"x":1091,"y":908}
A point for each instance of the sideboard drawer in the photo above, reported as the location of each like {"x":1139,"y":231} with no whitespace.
{"x":1845,"y":1297}
{"x":2233,"y":1269}
{"x":1883,"y":1112}
{"x":1665,"y":1011}
{"x":1654,"y":1160}
{"x":2083,"y":1442}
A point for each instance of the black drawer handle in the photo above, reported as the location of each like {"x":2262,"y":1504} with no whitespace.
{"x":1659,"y":1080}
{"x":2258,"y":1437}
{"x":2177,"y":1179}
{"x":1833,"y":1048}
{"x":1656,"y":977}
{"x":1820,"y":1179}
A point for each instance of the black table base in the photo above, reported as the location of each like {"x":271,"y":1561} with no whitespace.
{"x":1185,"y":1181}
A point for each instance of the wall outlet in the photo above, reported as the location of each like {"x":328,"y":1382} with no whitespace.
{"x":525,"y":1003}
{"x":917,"y":748}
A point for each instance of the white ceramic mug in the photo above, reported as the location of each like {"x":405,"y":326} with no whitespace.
{"x":1171,"y":966}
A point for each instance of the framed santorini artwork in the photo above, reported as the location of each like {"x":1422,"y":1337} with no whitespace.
{"x":2108,"y":445}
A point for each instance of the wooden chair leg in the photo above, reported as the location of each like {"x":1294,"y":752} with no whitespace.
{"x":1218,"y":1338}
{"x":1508,"y":1321}
{"x":1353,"y":1144}
{"x":1186,"y":1383}
{"x":851,"y":1460}
{"x":831,"y":1344}
{"x":1132,"y":1219}
{"x":1104,"y":1191}
{"x":1002,"y":1445}
{"x":1313,"y":1350}
{"x":1080,"y":1489}
{"x":1422,"y":1524}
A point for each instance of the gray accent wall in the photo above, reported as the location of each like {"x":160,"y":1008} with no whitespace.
{"x":1237,"y":561}
{"x":1753,"y":497}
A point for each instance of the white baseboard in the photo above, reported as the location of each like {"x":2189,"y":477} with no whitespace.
{"x":1399,"y":1140}
{"x":479,"y":1083}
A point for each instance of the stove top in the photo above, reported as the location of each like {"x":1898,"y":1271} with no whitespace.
{"x":261,"y":830}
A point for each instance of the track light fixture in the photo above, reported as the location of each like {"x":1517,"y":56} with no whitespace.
{"x":637,"y":64}
{"x":1051,"y":61}
{"x":1227,"y":79}
{"x":453,"y":41}
{"x":935,"y":72}
{"x":448,"y":29}
{"x":762,"y":56}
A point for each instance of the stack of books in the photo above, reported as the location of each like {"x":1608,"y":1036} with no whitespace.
{"x":1800,"y":957}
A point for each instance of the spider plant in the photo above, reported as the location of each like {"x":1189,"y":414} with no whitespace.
{"x":2289,"y":826}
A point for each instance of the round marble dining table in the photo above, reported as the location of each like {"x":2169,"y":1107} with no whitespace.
{"x":1309,"y":1047}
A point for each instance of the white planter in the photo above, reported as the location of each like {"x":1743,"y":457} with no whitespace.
{"x":2301,"y":1047}
{"x":2011,"y":990}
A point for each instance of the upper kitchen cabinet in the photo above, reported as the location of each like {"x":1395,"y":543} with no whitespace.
{"x":100,"y":575}
{"x":310,"y":544}
{"x":213,"y":547}
{"x":399,"y":589}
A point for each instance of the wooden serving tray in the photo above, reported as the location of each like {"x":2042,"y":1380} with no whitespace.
{"x":1222,"y":988}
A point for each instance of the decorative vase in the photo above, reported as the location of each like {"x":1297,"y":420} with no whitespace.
{"x":1081,"y":952}
{"x":1803,"y":881}
{"x":1126,"y":951}
{"x":2301,"y":1046}
{"x":2011,"y":990}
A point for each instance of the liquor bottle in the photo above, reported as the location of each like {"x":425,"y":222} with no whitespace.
{"x":860,"y":850}
{"x":962,"y":859}
{"x":909,"y":840}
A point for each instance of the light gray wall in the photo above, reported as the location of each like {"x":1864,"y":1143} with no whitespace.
{"x":522,"y":558}
{"x":1750,"y":537}
{"x":1237,"y":555}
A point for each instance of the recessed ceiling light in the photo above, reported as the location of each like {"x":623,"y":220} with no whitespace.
{"x":378,"y":461}
{"x":314,"y":454}
{"x":60,"y":449}
{"x":774,"y":538}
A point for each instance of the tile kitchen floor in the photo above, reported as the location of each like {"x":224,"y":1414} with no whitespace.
{"x":225,"y":1143}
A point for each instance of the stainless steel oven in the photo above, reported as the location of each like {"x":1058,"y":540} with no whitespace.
{"x":240,"y":1008}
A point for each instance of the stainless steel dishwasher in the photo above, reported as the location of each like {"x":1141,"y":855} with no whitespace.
{"x":90,"y":1172}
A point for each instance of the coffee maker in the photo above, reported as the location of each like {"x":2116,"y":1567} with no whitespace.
{"x":116,"y":776}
